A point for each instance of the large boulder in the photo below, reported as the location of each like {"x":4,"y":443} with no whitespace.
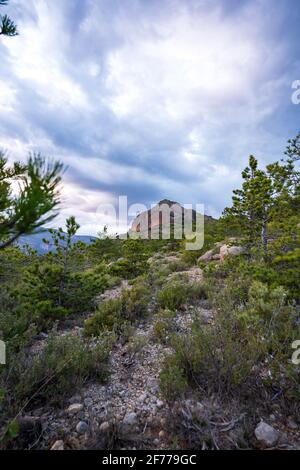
{"x":208,"y":256}
{"x":234,"y":250}
{"x":224,"y":250}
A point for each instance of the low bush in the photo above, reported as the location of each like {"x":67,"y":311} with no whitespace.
{"x":197,"y":291}
{"x":107,"y":317}
{"x":216,"y":360}
{"x":61,"y":368}
{"x":177,"y":266}
{"x":190,"y":257}
{"x":136,"y":344}
{"x":112,"y":314}
{"x":172,"y":296}
{"x":177,"y":291}
{"x":122,"y":268}
{"x":247,"y":348}
{"x":163,"y":325}
{"x":172,"y":381}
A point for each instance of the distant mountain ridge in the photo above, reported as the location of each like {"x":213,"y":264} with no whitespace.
{"x":149,"y":221}
{"x":35,"y":241}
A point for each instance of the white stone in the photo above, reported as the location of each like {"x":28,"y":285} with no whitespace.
{"x":58,"y":445}
{"x":266,"y":434}
{"x":75,"y":408}
{"x":74,"y":399}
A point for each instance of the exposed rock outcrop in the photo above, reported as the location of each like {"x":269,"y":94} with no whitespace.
{"x":165,"y":216}
{"x":224,"y":250}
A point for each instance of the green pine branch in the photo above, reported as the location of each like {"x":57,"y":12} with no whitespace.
{"x":8,"y":27}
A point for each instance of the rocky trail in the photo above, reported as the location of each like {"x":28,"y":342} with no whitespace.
{"x":130,"y":400}
{"x":128,"y":408}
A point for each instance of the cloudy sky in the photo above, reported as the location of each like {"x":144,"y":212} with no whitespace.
{"x":151,"y":99}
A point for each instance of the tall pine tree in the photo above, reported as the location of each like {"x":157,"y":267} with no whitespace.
{"x":262,"y":197}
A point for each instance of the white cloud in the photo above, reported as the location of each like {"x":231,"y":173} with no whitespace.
{"x":37,"y":56}
{"x":193,"y":67}
{"x":156,"y":99}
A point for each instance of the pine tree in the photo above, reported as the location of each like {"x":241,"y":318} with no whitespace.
{"x":24,"y":211}
{"x":7,"y":26}
{"x":293,"y":148}
{"x":262,"y":197}
{"x":251,"y":203}
{"x":63,"y":243}
{"x":293,"y":157}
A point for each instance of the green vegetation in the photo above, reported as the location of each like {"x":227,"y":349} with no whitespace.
{"x":242,"y":356}
{"x":113,"y":314}
{"x":38,"y":194}
{"x":177,"y":292}
{"x":243,"y":359}
{"x":63,"y":366}
{"x":172,"y":296}
{"x":230,"y":356}
{"x":164,"y":325}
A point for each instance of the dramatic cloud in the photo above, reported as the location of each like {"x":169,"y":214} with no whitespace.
{"x":149,"y":99}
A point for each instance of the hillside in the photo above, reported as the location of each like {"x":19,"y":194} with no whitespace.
{"x":141,"y":343}
{"x":137,"y":329}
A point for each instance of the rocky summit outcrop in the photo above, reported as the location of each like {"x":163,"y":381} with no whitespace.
{"x":165,"y":216}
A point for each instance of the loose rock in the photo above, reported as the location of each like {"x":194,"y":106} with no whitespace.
{"x":58,"y":445}
{"x":266,"y":434}
{"x":75,"y":408}
{"x":82,"y":427}
{"x":130,"y":419}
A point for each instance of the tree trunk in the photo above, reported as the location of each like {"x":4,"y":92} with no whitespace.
{"x":10,"y":241}
{"x":264,"y":241}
